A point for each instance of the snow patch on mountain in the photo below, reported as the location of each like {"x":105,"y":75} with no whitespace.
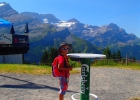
{"x":65,"y":24}
{"x":2,"y":4}
{"x":45,"y":20}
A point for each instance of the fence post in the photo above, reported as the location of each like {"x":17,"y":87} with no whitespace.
{"x":126,"y":60}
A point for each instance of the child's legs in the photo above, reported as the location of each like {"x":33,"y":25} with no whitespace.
{"x":63,"y":85}
{"x":61,"y":97}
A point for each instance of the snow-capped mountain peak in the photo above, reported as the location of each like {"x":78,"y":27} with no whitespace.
{"x":2,"y":4}
{"x":73,"y":20}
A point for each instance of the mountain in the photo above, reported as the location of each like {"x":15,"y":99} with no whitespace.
{"x":6,"y":10}
{"x":44,"y":27}
{"x":73,"y":20}
{"x":53,"y":39}
{"x":100,"y":36}
{"x":44,"y":18}
{"x":42,"y":35}
{"x":110,"y":35}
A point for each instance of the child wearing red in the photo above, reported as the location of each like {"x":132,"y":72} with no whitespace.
{"x":64,"y":67}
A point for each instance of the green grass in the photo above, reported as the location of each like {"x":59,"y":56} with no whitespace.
{"x":42,"y":70}
{"x":136,"y":98}
{"x":24,"y":69}
{"x":28,"y":69}
{"x":130,"y":67}
{"x":112,"y":64}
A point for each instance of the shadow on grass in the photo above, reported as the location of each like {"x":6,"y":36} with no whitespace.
{"x":28,"y":85}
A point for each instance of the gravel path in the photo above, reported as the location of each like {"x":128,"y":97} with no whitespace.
{"x":106,"y":83}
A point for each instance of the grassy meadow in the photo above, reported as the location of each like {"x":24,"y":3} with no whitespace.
{"x":43,"y":69}
{"x":28,"y":69}
{"x":135,"y":98}
{"x":24,"y":69}
{"x":112,"y":64}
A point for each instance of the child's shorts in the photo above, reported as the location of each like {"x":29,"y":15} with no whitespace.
{"x":63,"y":85}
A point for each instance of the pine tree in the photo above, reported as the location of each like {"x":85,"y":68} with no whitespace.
{"x":107,"y":52}
{"x":52,"y":54}
{"x":44,"y":58}
{"x":118,"y":55}
{"x":113,"y":56}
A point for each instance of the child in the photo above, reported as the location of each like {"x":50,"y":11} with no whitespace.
{"x":64,"y":67}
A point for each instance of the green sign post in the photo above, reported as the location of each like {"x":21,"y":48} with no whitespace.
{"x":85,"y":79}
{"x":85,"y":74}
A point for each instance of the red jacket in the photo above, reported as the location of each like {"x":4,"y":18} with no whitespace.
{"x":61,"y":60}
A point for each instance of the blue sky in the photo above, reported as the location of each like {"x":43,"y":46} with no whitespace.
{"x":124,"y":13}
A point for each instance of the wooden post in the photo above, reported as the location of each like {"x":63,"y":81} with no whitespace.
{"x":126,"y":60}
{"x":22,"y":58}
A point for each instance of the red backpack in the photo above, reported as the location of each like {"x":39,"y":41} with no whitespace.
{"x":55,"y":71}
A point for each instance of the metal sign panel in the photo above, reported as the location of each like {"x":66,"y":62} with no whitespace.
{"x":20,"y":40}
{"x":5,"y":38}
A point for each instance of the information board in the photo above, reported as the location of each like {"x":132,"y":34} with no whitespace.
{"x":20,"y":40}
{"x":5,"y":38}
